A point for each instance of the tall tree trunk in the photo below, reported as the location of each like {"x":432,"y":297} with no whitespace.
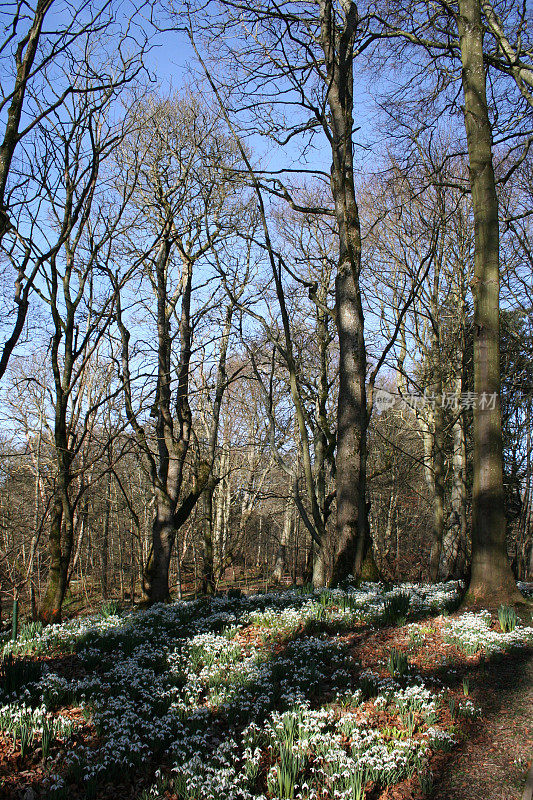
{"x":352,"y":416}
{"x":389,"y":525}
{"x":221,"y":514}
{"x":352,"y":519}
{"x":155,"y":578}
{"x":455,"y":546}
{"x":434,"y":471}
{"x":36,"y":527}
{"x":132,"y":564}
{"x":259,"y":546}
{"x":491,"y":580}
{"x":456,"y":539}
{"x":525,"y":529}
{"x":104,"y":553}
{"x":60,"y":546}
{"x":319,"y":575}
{"x":279,"y":566}
{"x":82,"y":520}
{"x":528,"y":576}
{"x":208,"y":568}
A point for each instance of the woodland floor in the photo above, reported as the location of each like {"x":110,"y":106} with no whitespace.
{"x":490,"y":762}
{"x":496,"y":753}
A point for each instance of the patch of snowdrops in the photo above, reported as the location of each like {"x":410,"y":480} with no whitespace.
{"x":472,"y":632}
{"x":237,"y":717}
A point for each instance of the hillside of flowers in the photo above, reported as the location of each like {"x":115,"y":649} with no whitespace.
{"x":333,"y":695}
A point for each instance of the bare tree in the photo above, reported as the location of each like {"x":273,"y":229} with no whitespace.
{"x":453,"y":36}
{"x":45,"y":69}
{"x":71,"y":287}
{"x":183,"y":167}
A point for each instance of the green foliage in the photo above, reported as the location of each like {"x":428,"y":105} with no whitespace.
{"x":47,"y":736}
{"x":368,"y":687}
{"x":179,"y":786}
{"x":287,"y":771}
{"x":442,"y":741}
{"x":394,"y":734}
{"x":291,"y":759}
{"x":417,"y":636}
{"x":408,"y":719}
{"x":396,"y":608}
{"x":350,"y":699}
{"x":111,"y":608}
{"x":397,"y":663}
{"x":30,"y":630}
{"x":356,"y":782}
{"x":466,"y":686}
{"x":24,"y":731}
{"x":507,"y":618}
{"x":327,"y":598}
{"x":23,"y":723}
{"x":348,"y":602}
{"x":425,"y":779}
{"x":201,"y":657}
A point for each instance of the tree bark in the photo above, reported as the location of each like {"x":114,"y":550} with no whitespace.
{"x":208,"y":568}
{"x":60,"y":547}
{"x":155,"y":579}
{"x":434,"y":469}
{"x":455,"y":543}
{"x":352,"y":415}
{"x":279,"y":566}
{"x":491,"y":578}
{"x":104,"y":553}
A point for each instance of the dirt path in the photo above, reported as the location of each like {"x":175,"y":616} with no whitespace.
{"x":493,"y":763}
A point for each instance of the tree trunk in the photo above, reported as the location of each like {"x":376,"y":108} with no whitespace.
{"x":60,"y":545}
{"x":208,"y":568}
{"x":390,"y":541}
{"x":352,"y":414}
{"x":491,"y":580}
{"x":434,"y":469}
{"x":352,"y":519}
{"x":455,"y":546}
{"x":529,"y":562}
{"x":279,"y":566}
{"x":524,"y":558}
{"x":222,"y":505}
{"x":369,"y":570}
{"x":104,"y":555}
{"x":132,"y":562}
{"x":36,"y":527}
{"x":319,"y":575}
{"x":155,"y":579}
{"x":81,"y":523}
